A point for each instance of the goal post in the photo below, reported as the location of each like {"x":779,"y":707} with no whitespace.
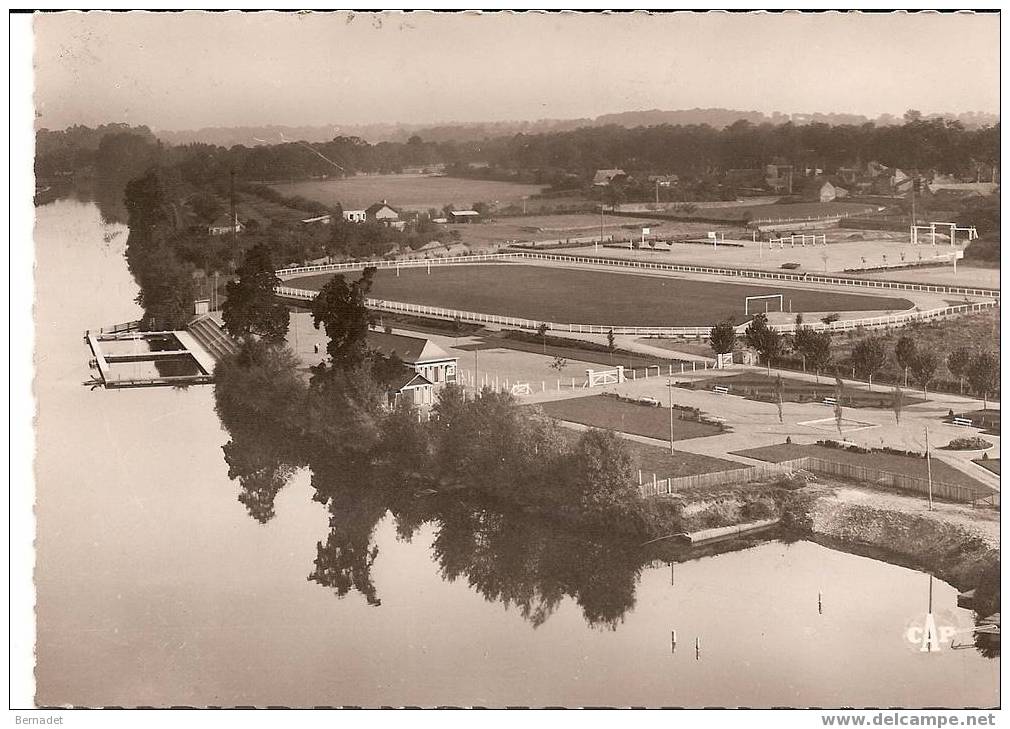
{"x":748,"y":299}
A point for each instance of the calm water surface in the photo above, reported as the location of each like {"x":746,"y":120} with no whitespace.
{"x":156,"y":587}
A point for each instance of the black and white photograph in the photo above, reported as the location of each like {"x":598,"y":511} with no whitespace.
{"x":494,"y":359}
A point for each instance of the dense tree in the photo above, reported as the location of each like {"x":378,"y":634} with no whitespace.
{"x":251,"y":308}
{"x":958,"y":363}
{"x":819,"y":351}
{"x":722,"y":337}
{"x":983,"y":374}
{"x":762,"y":338}
{"x":868,"y":357}
{"x":904,"y":354}
{"x":340,"y":308}
{"x":923,"y":366}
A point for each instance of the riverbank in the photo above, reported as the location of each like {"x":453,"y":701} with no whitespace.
{"x":956,"y":543}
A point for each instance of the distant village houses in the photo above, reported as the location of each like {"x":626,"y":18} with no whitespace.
{"x":386,"y":214}
{"x":318,"y":220}
{"x":354,"y":216}
{"x":603,"y":178}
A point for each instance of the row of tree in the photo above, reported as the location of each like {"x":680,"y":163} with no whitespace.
{"x":694,"y":150}
{"x":980,"y":368}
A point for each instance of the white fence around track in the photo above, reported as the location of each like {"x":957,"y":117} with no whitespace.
{"x":643,"y":265}
{"x":474,"y":317}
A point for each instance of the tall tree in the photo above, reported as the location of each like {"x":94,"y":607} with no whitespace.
{"x":251,"y":309}
{"x":983,"y":375}
{"x":958,"y":363}
{"x":923,"y":366}
{"x":340,"y":309}
{"x":868,"y":356}
{"x":819,"y":352}
{"x":904,"y":353}
{"x":764,"y":339}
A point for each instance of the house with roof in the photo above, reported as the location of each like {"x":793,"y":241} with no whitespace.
{"x":419,"y":354}
{"x":416,"y":389}
{"x":384,"y":213}
{"x":821,"y":190}
{"x":463,"y":216}
{"x":602,"y":178}
{"x":225,"y":225}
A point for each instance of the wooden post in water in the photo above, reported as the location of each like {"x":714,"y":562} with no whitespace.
{"x":673,"y":641}
{"x":697,"y":649}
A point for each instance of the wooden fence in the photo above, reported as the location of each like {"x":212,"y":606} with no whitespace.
{"x":872,"y":476}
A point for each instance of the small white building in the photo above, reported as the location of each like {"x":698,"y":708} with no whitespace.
{"x":318,"y":220}
{"x":419,"y":354}
{"x":413,"y":388}
{"x":355,"y":216}
{"x":225,"y":226}
{"x":463,"y":216}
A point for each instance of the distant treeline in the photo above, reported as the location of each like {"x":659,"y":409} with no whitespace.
{"x":479,"y":131}
{"x":691,"y":150}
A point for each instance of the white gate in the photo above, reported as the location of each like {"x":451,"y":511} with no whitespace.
{"x":521,"y":388}
{"x":605,"y":377}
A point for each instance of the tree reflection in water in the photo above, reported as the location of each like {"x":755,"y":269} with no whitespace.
{"x":506,"y":555}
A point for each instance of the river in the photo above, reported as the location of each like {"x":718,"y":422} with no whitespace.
{"x":156,"y":587}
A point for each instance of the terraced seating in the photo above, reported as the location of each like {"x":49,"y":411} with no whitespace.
{"x":208,"y":331}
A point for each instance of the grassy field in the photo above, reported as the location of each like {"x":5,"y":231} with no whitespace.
{"x":757,"y":386}
{"x":413,"y":192}
{"x":657,"y":460}
{"x":989,"y":464}
{"x":989,"y":420}
{"x":942,"y":337}
{"x":882,"y":461}
{"x":525,"y":341}
{"x":609,"y":413}
{"x":591,"y":297}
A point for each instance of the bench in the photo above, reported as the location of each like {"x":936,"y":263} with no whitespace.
{"x":829,"y":401}
{"x":720,"y":390}
{"x":962,"y":421}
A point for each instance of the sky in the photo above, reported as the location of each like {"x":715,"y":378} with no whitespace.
{"x":196,"y":69}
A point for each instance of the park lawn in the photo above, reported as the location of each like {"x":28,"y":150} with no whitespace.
{"x":989,"y":464}
{"x":589,"y":353}
{"x":761,"y":387}
{"x":654,"y":459}
{"x":942,"y":473}
{"x":989,"y":420}
{"x":609,"y":413}
{"x":580,"y":296}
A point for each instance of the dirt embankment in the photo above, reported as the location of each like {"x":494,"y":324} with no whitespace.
{"x":956,"y":543}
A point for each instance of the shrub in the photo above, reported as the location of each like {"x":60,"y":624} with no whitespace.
{"x":974,"y":443}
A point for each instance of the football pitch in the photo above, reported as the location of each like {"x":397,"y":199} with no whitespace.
{"x":564,"y":295}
